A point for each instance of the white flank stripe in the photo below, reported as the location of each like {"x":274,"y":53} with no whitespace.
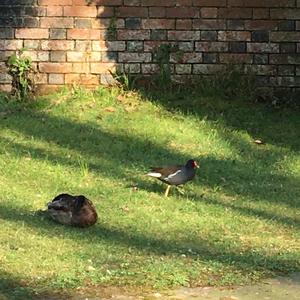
{"x":174,"y":174}
{"x":154,"y":174}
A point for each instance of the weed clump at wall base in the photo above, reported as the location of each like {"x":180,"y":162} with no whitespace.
{"x":20,"y":68}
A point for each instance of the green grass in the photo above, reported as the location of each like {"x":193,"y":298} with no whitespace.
{"x":237,"y":222}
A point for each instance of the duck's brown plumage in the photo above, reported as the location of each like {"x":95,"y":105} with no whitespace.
{"x":72,"y":210}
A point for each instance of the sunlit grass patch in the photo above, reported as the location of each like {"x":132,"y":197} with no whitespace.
{"x":237,"y":222}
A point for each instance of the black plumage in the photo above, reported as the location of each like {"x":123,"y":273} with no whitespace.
{"x":175,"y":175}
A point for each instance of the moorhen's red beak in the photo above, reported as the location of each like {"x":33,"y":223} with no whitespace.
{"x":196,"y":165}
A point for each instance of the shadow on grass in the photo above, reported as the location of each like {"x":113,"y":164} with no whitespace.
{"x":260,"y":121}
{"x":113,"y":154}
{"x":14,"y":288}
{"x":201,"y":249}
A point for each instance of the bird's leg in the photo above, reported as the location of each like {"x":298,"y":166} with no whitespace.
{"x":167,"y":191}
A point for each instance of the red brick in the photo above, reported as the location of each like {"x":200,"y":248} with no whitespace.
{"x":80,"y":11}
{"x":11,"y":44}
{"x":94,"y":57}
{"x":56,"y":22}
{"x":182,"y":12}
{"x":81,"y":67}
{"x":3,"y":67}
{"x":183,"y":69}
{"x":261,"y":25}
{"x":106,"y":23}
{"x":107,"y":2}
{"x":85,"y":79}
{"x":105,"y":12}
{"x":183,"y":3}
{"x":262,"y":3}
{"x":158,"y":24}
{"x":76,"y":56}
{"x":57,"y":45}
{"x":184,"y":24}
{"x":99,"y":46}
{"x":131,"y":11}
{"x":151,"y":45}
{"x":55,"y":2}
{"x":184,"y":35}
{"x":101,"y":68}
{"x":213,"y":3}
{"x":235,"y":13}
{"x":235,"y":58}
{"x":157,"y":12}
{"x":31,"y":54}
{"x":285,"y":36}
{"x":158,"y":3}
{"x":234,"y":36}
{"x":262,"y":69}
{"x":133,"y":34}
{"x":50,"y":67}
{"x":83,"y":45}
{"x":56,"y":79}
{"x":209,"y":12}
{"x":31,"y":44}
{"x":207,"y":68}
{"x":34,"y":33}
{"x":284,"y":59}
{"x":150,"y":68}
{"x":82,"y":34}
{"x":281,"y":13}
{"x":40,"y":78}
{"x":186,"y":46}
{"x":132,"y":2}
{"x":134,"y":57}
{"x":6,"y":88}
{"x":261,"y":13}
{"x":82,"y":2}
{"x":209,"y":24}
{"x":109,"y":45}
{"x":4,"y":55}
{"x":54,"y":11}
{"x":188,"y":57}
{"x":58,"y":56}
{"x":132,"y":68}
{"x":72,"y":78}
{"x":42,"y":55}
{"x":211,"y":46}
{"x":5,"y":78}
{"x":263,"y":47}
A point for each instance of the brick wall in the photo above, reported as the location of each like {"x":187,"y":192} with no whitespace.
{"x":81,"y":40}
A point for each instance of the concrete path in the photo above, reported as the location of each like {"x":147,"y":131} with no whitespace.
{"x":280,"y":288}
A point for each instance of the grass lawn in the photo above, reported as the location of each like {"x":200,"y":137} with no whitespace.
{"x":236,"y":223}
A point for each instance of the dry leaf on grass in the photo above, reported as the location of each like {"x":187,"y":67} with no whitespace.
{"x":110,"y":109}
{"x":121,"y":98}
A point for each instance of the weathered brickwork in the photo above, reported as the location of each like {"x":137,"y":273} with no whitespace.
{"x":82,"y":41}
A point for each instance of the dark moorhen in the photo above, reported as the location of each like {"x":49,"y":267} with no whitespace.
{"x":72,"y":210}
{"x":175,"y":175}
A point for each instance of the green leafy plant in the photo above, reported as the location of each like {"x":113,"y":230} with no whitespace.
{"x":231,"y":82}
{"x":111,"y":33}
{"x":162,"y":57}
{"x":125,"y":80}
{"x":20,"y":67}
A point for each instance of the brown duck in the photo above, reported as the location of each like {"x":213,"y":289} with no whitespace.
{"x":72,"y":210}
